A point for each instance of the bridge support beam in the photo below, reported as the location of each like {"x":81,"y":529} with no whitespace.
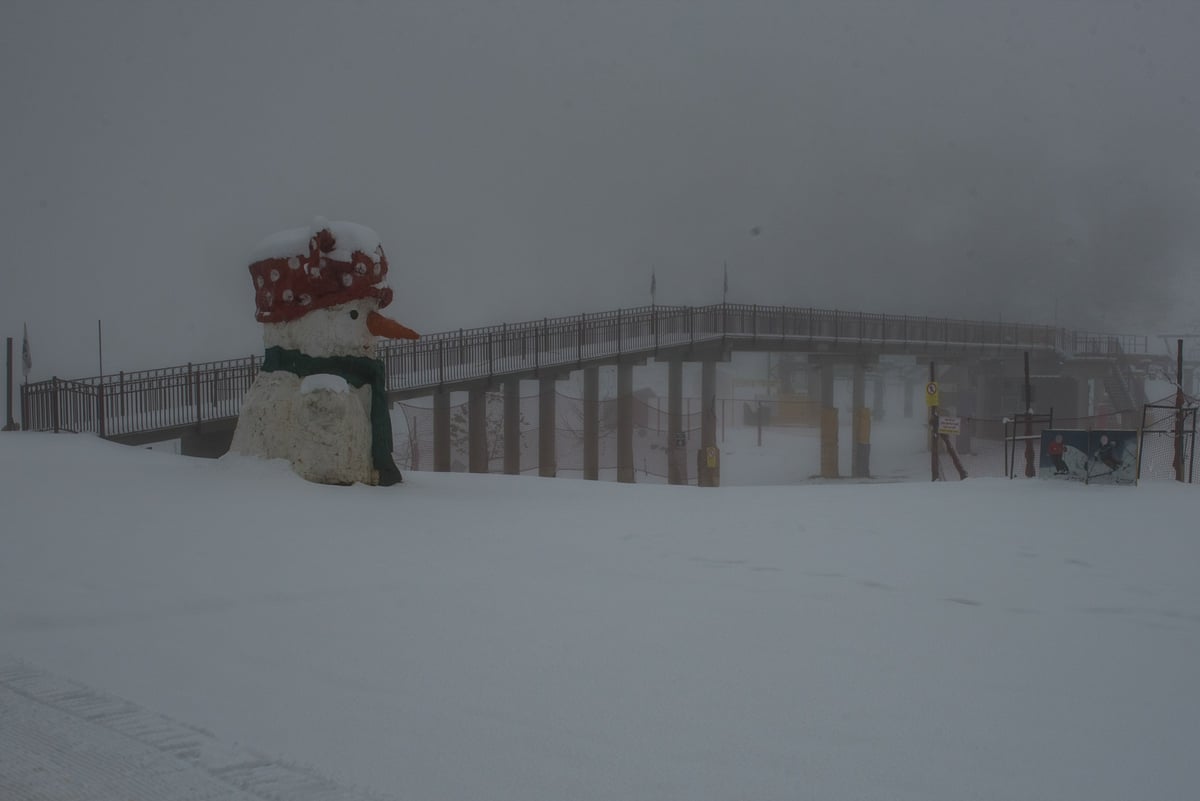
{"x":547,"y":422}
{"x":625,"y":423}
{"x":708,"y":474}
{"x":512,"y":426}
{"x":477,"y":444}
{"x":591,"y":423}
{"x":860,"y":426}
{"x":829,"y":420}
{"x":877,"y":388}
{"x":441,"y":431}
{"x":676,"y":438}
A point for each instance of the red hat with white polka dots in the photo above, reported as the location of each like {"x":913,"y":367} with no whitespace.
{"x":340,"y":262}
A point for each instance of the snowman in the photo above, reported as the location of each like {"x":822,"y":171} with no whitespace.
{"x":320,"y":400}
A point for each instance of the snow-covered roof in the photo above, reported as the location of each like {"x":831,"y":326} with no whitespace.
{"x":348,"y":236}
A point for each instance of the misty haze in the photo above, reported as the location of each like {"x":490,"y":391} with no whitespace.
{"x":616,"y":400}
{"x":531,"y":159}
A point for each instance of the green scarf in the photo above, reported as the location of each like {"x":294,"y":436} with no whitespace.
{"x":356,"y":370}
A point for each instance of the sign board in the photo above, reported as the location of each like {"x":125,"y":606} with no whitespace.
{"x":710,"y":456}
{"x":680,"y":440}
{"x":949,"y":425}
{"x":931,"y":394}
{"x":1093,"y":457}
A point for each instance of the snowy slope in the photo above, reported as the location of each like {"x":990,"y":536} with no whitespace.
{"x":521,"y":638}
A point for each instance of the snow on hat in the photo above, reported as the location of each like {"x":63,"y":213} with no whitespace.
{"x":302,"y":269}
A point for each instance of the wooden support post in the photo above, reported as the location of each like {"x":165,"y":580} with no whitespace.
{"x":547,"y":425}
{"x":591,"y":423}
{"x":1030,"y":472}
{"x":477,"y":441}
{"x":860,"y":424}
{"x":708,"y":456}
{"x":441,"y":431}
{"x":829,"y":423}
{"x":512,"y":426}
{"x":958,"y":465}
{"x":676,"y":438}
{"x":625,"y":468}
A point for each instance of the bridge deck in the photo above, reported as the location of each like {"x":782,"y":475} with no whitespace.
{"x":153,"y":404}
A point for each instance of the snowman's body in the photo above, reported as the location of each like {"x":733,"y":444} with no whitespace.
{"x":319,"y":423}
{"x":317,"y":420}
{"x":324,"y":431}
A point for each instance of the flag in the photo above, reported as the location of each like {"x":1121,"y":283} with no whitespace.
{"x":26,"y":358}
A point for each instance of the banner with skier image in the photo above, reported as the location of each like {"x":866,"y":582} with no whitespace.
{"x":1093,"y":457}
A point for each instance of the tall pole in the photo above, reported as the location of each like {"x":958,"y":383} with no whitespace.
{"x":9,"y":424}
{"x":1178,"y":410}
{"x":100,"y":346}
{"x":1029,"y":471}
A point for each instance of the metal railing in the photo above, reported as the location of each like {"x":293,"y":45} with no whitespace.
{"x":124,"y":404}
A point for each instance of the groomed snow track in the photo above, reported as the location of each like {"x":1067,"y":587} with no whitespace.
{"x":63,"y":741}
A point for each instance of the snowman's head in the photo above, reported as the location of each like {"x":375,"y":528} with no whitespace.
{"x":318,"y":290}
{"x":339,"y":330}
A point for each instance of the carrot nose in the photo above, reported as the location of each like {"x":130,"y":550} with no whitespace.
{"x":382,"y":326}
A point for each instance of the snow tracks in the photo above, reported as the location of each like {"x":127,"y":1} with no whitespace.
{"x":62,"y":741}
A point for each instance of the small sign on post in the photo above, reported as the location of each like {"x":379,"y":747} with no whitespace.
{"x":931,"y":394}
{"x":950,"y":425}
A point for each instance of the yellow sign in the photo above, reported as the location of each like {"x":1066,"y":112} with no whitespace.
{"x":931,"y":394}
{"x":710,"y":455}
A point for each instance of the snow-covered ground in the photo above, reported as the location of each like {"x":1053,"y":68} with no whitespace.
{"x":493,"y":637}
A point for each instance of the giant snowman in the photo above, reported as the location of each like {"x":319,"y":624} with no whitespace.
{"x":320,"y":400}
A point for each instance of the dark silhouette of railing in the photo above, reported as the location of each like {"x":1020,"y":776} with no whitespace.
{"x":124,"y":404}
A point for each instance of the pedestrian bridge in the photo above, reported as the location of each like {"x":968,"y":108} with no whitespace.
{"x":165,"y":403}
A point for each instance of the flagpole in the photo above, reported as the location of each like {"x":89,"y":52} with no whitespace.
{"x":100,"y":348}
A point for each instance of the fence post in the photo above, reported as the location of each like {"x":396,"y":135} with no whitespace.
{"x":618,"y":332}
{"x":491,"y":369}
{"x":579,"y":341}
{"x":54,"y":403}
{"x":754,"y":323}
{"x":441,"y":362}
{"x":196,"y":389}
{"x":100,"y":427}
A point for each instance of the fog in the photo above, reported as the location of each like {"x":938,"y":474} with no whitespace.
{"x":1025,"y":160}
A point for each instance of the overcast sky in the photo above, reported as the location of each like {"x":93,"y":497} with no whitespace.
{"x":974,"y":158}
